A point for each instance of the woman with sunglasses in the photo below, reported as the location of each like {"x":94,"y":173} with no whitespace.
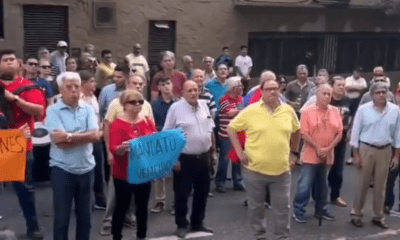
{"x":128,"y":126}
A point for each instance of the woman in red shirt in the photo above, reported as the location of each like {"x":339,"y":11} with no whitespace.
{"x":128,"y":126}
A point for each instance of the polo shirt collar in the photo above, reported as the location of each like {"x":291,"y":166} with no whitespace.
{"x":65,"y":106}
{"x":190,"y":106}
{"x":298,"y":83}
{"x":276,"y":109}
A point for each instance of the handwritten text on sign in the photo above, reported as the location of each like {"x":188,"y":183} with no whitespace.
{"x":152,"y":157}
{"x":12,"y":155}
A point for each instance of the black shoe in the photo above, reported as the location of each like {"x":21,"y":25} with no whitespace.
{"x":325,"y":215}
{"x":239,"y":188}
{"x":357,"y":223}
{"x":380,"y":224}
{"x":35,"y":234}
{"x":220,"y":189}
{"x":386,"y":209}
{"x":201,"y":228}
{"x":245,"y":203}
{"x":181,"y":232}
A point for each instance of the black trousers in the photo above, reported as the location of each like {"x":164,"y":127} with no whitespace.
{"x":194,"y":174}
{"x":98,"y":186}
{"x":123,"y":193}
{"x":335,"y":176}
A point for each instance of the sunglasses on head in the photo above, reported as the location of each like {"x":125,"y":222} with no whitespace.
{"x":135,"y":102}
{"x":32,"y":64}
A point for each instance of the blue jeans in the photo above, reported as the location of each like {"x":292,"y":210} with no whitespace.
{"x":26,"y":195}
{"x":225,"y":147}
{"x":66,"y":188}
{"x":391,"y":181}
{"x":311,"y":174}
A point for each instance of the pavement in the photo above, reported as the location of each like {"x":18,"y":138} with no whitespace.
{"x":226,"y":214}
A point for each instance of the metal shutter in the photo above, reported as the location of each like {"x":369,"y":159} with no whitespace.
{"x":44,"y":26}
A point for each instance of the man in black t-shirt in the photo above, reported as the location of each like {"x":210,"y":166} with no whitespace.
{"x":342,"y":102}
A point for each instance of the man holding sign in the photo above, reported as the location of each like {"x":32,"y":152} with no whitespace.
{"x":25,"y":107}
{"x":192,"y":170}
{"x":73,"y":127}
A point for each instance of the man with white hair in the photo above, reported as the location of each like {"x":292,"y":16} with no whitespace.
{"x":230,"y":105}
{"x":73,"y":127}
{"x":187,"y":62}
{"x":204,"y":94}
{"x":375,"y":141}
{"x":367,"y":97}
{"x":209,"y":72}
{"x":138,"y":61}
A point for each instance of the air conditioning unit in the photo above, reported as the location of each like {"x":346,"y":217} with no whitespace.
{"x":105,"y":14}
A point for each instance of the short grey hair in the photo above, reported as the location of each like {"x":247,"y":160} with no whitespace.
{"x":377,"y":85}
{"x":205,"y":58}
{"x":232,"y":82}
{"x":167,"y":54}
{"x":378,"y":68}
{"x":266,"y":74}
{"x":302,"y":67}
{"x":186,"y":58}
{"x":67,"y":76}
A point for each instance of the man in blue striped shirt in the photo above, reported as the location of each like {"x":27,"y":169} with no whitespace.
{"x":375,"y":131}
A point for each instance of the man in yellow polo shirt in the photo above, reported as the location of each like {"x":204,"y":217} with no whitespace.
{"x":272,"y":130}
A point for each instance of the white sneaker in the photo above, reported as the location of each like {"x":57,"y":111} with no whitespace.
{"x":349,"y":161}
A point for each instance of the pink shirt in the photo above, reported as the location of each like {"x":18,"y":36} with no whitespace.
{"x":322,"y":126}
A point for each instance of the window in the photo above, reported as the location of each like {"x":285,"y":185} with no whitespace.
{"x":105,"y":15}
{"x":337,"y":52}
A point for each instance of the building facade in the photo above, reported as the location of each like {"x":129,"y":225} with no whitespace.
{"x":280,"y":33}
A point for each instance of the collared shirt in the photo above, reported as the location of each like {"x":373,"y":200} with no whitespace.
{"x":58,"y":60}
{"x":322,"y":126}
{"x":352,"y":82}
{"x":160,"y":110}
{"x":208,"y":98}
{"x":209,"y":76}
{"x":196,"y":123}
{"x":107,"y":94}
{"x":115,"y":110}
{"x":77,"y":160}
{"x":367,"y":98}
{"x":268,"y":136}
{"x":138,"y":62}
{"x":103,"y":73}
{"x":295,"y":91}
{"x":375,"y":127}
{"x":217,"y":90}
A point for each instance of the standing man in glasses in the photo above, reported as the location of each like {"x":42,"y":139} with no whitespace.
{"x":375,"y":139}
{"x":272,"y":130}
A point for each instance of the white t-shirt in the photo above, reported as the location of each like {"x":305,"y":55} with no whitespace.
{"x":244,"y":64}
{"x":351,"y":81}
{"x":138,"y":62}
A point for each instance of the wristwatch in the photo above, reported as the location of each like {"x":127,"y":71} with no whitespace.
{"x":69,"y":137}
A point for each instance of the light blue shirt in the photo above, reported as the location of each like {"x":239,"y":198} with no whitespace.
{"x":375,"y":127}
{"x":107,"y":94}
{"x":77,"y":160}
{"x":217,"y":90}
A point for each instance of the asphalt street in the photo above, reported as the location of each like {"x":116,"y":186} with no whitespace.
{"x":226,"y":214}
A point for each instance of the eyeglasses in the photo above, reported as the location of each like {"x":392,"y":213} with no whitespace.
{"x":32,"y":64}
{"x":380,"y":92}
{"x":136,"y":102}
{"x":46,"y":67}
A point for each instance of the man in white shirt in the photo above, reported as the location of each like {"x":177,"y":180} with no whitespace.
{"x":355,"y":87}
{"x":57,"y":58}
{"x":243,"y":65}
{"x":138,"y":61}
{"x":209,"y":72}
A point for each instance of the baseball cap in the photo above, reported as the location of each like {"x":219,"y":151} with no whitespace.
{"x":62,"y":44}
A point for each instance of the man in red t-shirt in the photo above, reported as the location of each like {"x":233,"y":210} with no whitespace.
{"x":26,"y":107}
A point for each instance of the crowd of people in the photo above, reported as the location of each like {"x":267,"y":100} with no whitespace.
{"x":92,"y":109}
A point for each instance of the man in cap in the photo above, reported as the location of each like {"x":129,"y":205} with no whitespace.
{"x":57,"y":58}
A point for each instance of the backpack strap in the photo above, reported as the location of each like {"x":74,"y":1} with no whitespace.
{"x":27,"y":88}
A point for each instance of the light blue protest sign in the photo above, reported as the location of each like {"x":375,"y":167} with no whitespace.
{"x":153,"y":157}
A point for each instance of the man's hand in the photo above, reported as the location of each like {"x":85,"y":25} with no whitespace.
{"x":394,"y":164}
{"x":243,"y":159}
{"x":9,"y":96}
{"x":293,"y":160}
{"x":321,"y":153}
{"x":358,"y":161}
{"x":177,"y":166}
{"x":26,"y":131}
{"x":59,"y":136}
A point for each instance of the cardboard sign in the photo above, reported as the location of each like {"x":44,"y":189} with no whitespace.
{"x":12,"y":156}
{"x":153,"y":157}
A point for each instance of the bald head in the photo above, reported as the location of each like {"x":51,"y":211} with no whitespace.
{"x":324,"y":95}
{"x":190,"y":92}
{"x":323,"y":86}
